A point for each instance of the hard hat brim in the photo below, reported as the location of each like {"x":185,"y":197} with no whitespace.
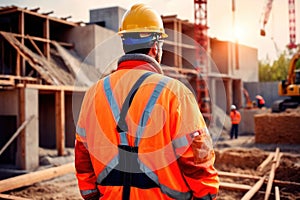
{"x":138,"y":30}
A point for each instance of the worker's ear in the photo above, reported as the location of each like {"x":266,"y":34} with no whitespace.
{"x":153,"y":50}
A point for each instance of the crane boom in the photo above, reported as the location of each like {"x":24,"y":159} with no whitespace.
{"x":266,"y":16}
{"x":292,"y":21}
{"x":292,"y":24}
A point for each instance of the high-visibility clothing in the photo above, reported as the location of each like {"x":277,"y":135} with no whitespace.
{"x":167,"y":139}
{"x":235,"y":117}
{"x":261,"y":101}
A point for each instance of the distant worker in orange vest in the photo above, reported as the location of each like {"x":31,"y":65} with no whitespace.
{"x":235,"y":117}
{"x":140,"y":134}
{"x":260,"y":101}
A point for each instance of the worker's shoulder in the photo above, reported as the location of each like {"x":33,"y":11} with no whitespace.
{"x":173,"y":84}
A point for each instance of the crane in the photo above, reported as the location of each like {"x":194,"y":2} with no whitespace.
{"x":201,"y":39}
{"x":291,"y":86}
{"x":292,"y":21}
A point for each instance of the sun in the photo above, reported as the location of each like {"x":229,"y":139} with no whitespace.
{"x":239,"y":33}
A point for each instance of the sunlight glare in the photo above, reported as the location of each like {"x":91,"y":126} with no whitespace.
{"x":239,"y":33}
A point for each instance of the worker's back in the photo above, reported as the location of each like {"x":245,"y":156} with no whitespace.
{"x":165,"y":123}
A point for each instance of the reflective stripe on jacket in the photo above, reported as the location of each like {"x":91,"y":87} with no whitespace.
{"x":159,"y":126}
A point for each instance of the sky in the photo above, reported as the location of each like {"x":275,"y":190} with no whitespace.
{"x":247,"y":17}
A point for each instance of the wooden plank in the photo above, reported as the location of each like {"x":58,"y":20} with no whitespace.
{"x":35,"y":46}
{"x":277,"y":194}
{"x":234,"y":186}
{"x":60,"y":121}
{"x":35,"y":177}
{"x":237,"y":175}
{"x":41,"y":15}
{"x":265,"y":162}
{"x":254,"y":189}
{"x":71,"y":45}
{"x":8,"y":196}
{"x":8,"y":81}
{"x":278,"y":160}
{"x":54,"y":87}
{"x":272,"y":174}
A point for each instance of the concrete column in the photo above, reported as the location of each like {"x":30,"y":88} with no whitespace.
{"x":28,"y":140}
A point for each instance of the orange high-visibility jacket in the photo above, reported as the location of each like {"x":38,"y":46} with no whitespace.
{"x":235,"y":117}
{"x":166,"y":137}
{"x":261,"y":101}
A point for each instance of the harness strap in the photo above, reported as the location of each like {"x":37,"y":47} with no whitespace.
{"x":122,"y":126}
{"x":149,"y":107}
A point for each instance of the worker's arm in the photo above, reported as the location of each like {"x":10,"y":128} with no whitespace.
{"x":83,"y":165}
{"x":85,"y":172}
{"x":196,"y":157}
{"x":197,"y":166}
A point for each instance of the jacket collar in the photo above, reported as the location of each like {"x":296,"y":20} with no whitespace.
{"x":139,"y":61}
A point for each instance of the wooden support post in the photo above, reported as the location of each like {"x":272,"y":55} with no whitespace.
{"x":47,"y":36}
{"x":18,"y":64}
{"x":22,"y":32}
{"x":35,"y":177}
{"x":60,"y":121}
{"x":254,"y":189}
{"x":272,"y":175}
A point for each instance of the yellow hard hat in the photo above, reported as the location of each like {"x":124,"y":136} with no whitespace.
{"x":142,"y":19}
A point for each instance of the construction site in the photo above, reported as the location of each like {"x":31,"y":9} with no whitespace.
{"x":48,"y":63}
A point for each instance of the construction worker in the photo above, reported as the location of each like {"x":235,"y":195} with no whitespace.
{"x":140,"y":134}
{"x":235,"y":117}
{"x":260,"y":101}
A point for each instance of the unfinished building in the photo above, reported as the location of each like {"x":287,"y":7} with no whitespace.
{"x":38,"y":84}
{"x":47,"y":63}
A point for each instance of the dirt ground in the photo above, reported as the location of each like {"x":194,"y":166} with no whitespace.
{"x":240,"y":155}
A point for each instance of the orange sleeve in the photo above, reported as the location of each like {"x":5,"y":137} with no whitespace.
{"x":197,"y":162}
{"x":197,"y":165}
{"x":84,"y":169}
